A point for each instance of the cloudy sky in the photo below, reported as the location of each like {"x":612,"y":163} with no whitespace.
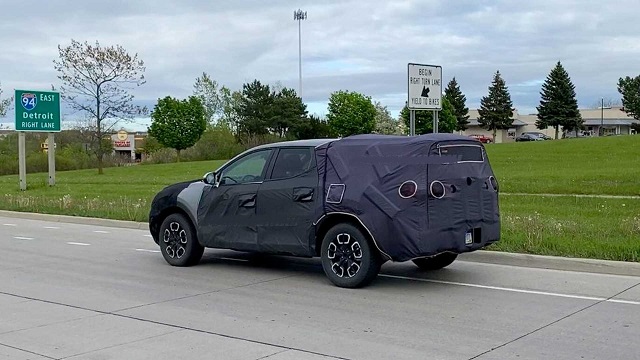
{"x":350,"y":45}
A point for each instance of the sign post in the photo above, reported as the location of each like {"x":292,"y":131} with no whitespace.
{"x":424,"y":92}
{"x":22,"y":161}
{"x":51,"y":153}
{"x":37,"y":111}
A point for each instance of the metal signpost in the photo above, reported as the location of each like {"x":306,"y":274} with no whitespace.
{"x":37,"y":111}
{"x":424,"y":92}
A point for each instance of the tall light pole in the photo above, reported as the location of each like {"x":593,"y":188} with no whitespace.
{"x":299,"y":15}
{"x":601,"y":132}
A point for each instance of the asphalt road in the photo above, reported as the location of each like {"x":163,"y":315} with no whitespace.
{"x":70,"y":291}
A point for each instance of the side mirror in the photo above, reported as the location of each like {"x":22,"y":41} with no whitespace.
{"x":209,"y":178}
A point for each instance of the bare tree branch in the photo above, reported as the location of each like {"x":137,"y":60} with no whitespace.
{"x":5,"y":104}
{"x":96,"y":81}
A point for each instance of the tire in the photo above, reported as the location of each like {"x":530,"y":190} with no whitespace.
{"x":178,"y":242}
{"x":343,"y":246}
{"x":436,"y":262}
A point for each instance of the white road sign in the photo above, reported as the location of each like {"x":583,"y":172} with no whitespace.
{"x":425,"y":87}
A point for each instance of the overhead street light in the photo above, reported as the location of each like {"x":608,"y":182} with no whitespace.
{"x":299,"y":15}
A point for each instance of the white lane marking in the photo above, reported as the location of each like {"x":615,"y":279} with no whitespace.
{"x":10,"y":224}
{"x":100,"y":231}
{"x":77,"y":243}
{"x":523,"y":291}
{"x":148,"y":236}
{"x":22,"y":238}
{"x":52,"y":227}
{"x":147,"y":250}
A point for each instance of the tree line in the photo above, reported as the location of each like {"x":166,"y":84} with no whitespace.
{"x":97,"y":81}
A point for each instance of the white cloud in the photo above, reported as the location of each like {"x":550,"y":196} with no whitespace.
{"x":346,"y":44}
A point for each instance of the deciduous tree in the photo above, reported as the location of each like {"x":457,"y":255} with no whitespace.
{"x":496,"y":109}
{"x":178,"y":124}
{"x":351,"y":113}
{"x":558,"y":104}
{"x":4,"y":104}
{"x":385,"y":123}
{"x":96,"y":80}
{"x":212,"y":96}
{"x":447,"y":121}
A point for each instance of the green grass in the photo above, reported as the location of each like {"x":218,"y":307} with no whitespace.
{"x":570,"y":226}
{"x":566,"y":226}
{"x":122,"y":193}
{"x":607,"y":165}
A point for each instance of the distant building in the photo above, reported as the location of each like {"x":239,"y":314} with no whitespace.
{"x":607,"y":121}
{"x":129,"y":145}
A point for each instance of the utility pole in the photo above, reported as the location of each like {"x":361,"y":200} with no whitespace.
{"x":602,"y":118}
{"x":299,"y":15}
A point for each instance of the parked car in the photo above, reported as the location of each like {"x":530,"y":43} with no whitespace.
{"x":575,"y":134}
{"x":482,"y":138}
{"x":528,"y":137}
{"x":355,"y":202}
{"x":539,"y":134}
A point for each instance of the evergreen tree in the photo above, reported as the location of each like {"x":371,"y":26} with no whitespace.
{"x":496,"y":109}
{"x":458,"y":100}
{"x":629,"y":88}
{"x":558,"y":106}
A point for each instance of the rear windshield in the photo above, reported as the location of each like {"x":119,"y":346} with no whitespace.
{"x":463,"y":152}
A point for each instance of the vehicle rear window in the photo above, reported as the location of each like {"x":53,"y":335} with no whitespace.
{"x":463,"y":152}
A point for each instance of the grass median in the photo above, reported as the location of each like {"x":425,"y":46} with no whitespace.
{"x":564,"y":226}
{"x":608,"y":165}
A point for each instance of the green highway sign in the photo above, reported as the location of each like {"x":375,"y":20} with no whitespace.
{"x":37,"y":111}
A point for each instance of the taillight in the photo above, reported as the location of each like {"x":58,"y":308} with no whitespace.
{"x":408,"y":189}
{"x":437,"y":189}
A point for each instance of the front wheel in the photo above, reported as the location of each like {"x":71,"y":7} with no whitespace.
{"x":348,"y":258}
{"x":436,"y":262}
{"x":178,"y":242}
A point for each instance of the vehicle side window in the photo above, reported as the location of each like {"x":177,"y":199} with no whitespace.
{"x":292,"y":162}
{"x":246,"y":169}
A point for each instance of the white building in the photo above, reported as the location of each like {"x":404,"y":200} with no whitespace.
{"x":611,"y":120}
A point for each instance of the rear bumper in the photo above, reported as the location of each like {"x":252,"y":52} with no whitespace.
{"x":459,"y":240}
{"x":436,"y":241}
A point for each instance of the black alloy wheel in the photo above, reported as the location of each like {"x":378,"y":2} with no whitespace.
{"x":348,"y":258}
{"x":178,"y":243}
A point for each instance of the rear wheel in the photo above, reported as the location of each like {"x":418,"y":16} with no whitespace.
{"x":348,"y":258}
{"x":178,"y":243}
{"x":436,"y":262}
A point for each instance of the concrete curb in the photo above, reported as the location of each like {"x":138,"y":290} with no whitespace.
{"x":554,"y":262}
{"x":481,"y":256}
{"x":76,"y":220}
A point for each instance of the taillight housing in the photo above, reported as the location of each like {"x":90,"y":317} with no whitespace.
{"x":437,"y":189}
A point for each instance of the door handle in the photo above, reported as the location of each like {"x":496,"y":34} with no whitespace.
{"x":302,"y":194}
{"x":247,"y":201}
